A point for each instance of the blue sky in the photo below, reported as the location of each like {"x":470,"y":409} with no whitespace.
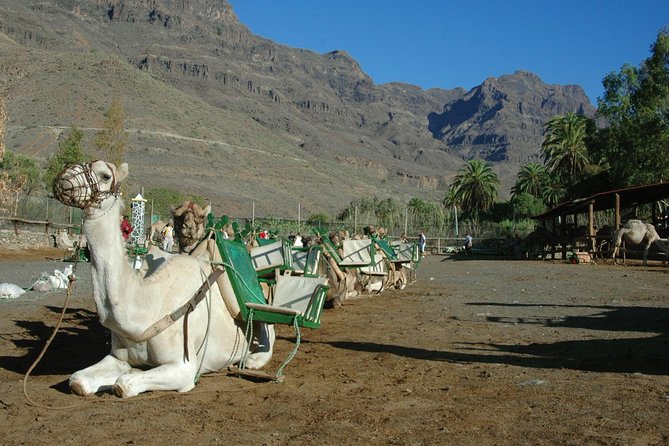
{"x":448,"y":44}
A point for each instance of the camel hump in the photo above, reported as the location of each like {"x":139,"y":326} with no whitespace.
{"x":630,"y":224}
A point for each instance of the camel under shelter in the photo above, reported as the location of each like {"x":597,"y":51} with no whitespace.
{"x":623,"y":202}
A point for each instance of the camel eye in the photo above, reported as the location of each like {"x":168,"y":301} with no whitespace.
{"x":106,"y":176}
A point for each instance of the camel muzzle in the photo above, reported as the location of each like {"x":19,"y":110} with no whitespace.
{"x":78,"y":186}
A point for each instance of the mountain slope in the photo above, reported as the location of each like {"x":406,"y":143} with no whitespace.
{"x":254,"y":121}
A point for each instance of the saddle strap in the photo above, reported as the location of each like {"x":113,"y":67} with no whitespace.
{"x":183,"y":310}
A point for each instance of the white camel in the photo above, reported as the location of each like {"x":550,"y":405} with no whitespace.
{"x":637,"y":232}
{"x":148,"y":350}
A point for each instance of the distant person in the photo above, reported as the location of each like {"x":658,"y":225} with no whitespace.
{"x":168,"y":237}
{"x":421,"y":243}
{"x":403,"y":238}
{"x":468,"y":244}
{"x":126,"y":228}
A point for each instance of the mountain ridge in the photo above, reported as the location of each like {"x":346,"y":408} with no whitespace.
{"x":397,"y":139}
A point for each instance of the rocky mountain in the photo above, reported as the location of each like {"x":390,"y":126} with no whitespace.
{"x":503,"y":119}
{"x":215,"y":110}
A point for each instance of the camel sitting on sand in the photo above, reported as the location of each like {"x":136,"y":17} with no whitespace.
{"x":637,"y":232}
{"x":189,"y":224}
{"x":161,"y":339}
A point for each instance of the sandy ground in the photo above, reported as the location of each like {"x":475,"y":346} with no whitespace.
{"x":478,"y":352}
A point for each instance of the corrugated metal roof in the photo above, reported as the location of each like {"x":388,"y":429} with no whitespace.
{"x":629,"y":197}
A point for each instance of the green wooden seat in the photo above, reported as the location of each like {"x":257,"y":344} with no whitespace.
{"x":357,"y":253}
{"x":306,"y":260}
{"x":297,"y":300}
{"x":271,"y":256}
{"x":388,"y":250}
{"x":408,"y":252}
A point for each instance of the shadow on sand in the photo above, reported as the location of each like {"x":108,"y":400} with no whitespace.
{"x":645,"y":353}
{"x":81,"y":341}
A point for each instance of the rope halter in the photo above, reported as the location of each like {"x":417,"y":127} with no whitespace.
{"x":79,"y":186}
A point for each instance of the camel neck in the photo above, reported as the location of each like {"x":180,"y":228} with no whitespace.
{"x":110,"y":269}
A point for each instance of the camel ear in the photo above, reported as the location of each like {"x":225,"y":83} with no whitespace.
{"x":207,"y":210}
{"x":176,"y":212}
{"x":122,"y":172}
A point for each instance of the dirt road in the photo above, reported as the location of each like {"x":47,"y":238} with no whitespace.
{"x":477,"y":352}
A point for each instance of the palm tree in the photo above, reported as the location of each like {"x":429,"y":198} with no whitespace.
{"x":476,"y":187}
{"x":554,"y":192}
{"x":451,"y":202}
{"x":564,"y":148}
{"x":532,"y":179}
{"x":417,"y":209}
{"x":388,"y":212}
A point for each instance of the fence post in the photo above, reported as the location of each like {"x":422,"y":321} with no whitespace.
{"x":355,"y":220}
{"x":406,"y":220}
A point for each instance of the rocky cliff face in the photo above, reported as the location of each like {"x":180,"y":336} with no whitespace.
{"x":325,"y":105}
{"x":503,"y":119}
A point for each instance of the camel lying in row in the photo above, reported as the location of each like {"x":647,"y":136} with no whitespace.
{"x":352,"y":282}
{"x":188,"y":221}
{"x":189,"y":224}
{"x":148,"y":350}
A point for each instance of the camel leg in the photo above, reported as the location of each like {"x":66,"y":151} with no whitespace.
{"x":402,"y":280}
{"x":624,"y":253}
{"x":98,"y":377}
{"x":645,"y":253}
{"x":179,"y":376}
{"x":616,"y":249}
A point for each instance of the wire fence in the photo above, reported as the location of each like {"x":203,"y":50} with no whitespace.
{"x":41,"y":213}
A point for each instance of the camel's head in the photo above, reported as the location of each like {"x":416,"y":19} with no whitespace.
{"x":310,"y":240}
{"x":339,"y":236}
{"x":189,"y":224}
{"x":88,"y":185}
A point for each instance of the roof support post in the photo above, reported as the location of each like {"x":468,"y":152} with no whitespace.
{"x":617,"y":211}
{"x":591,"y":225}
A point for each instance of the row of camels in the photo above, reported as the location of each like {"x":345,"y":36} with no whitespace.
{"x":632,"y":232}
{"x":148,"y":350}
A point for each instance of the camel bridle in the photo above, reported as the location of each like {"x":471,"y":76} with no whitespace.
{"x":78,"y":186}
